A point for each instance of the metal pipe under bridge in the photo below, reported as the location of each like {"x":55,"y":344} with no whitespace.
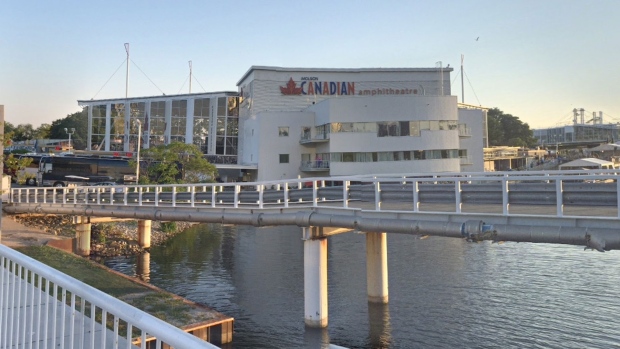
{"x":567,"y":207}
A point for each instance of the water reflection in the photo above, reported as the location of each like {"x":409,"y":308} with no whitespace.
{"x":143,"y":266}
{"x":442,"y":291}
{"x":380,"y":327}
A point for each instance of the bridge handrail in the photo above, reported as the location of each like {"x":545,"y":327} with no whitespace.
{"x":35,"y":280}
{"x":307,"y":191}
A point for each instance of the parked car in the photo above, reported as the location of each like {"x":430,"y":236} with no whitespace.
{"x":119,"y":188}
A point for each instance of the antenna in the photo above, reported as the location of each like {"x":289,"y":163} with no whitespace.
{"x":462,"y":80}
{"x":190,"y":76}
{"x":127,"y":73}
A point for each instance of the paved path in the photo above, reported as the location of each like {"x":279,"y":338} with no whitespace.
{"x":14,"y":234}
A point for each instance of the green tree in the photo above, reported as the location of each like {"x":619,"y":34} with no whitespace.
{"x":78,"y":121}
{"x":13,"y":165}
{"x":23,"y":132}
{"x":43,"y":131}
{"x":175,"y":163}
{"x":506,"y":129}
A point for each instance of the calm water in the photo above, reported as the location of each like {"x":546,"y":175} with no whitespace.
{"x":444,"y":293}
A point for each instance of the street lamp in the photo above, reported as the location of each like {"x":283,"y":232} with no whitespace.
{"x":138,"y":151}
{"x":70,"y":131}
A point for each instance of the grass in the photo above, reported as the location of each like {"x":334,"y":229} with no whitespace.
{"x":162,"y":305}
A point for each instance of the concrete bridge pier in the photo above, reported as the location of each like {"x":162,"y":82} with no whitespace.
{"x":315,"y":278}
{"x":144,"y":233}
{"x":82,"y":236}
{"x":376,"y":267}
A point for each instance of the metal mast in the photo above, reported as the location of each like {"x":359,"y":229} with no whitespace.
{"x":462,"y":80}
{"x":190,"y":76}
{"x":127,"y":72}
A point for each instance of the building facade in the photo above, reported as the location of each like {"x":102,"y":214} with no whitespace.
{"x":296,"y":122}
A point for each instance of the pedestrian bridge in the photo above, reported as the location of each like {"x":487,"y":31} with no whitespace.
{"x":568,"y":207}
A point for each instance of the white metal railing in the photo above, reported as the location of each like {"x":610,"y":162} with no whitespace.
{"x":41,"y":307}
{"x":345,"y":192}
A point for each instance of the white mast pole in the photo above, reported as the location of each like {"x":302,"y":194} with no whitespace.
{"x":127,"y":72}
{"x":190,"y":76}
{"x":462,"y":80}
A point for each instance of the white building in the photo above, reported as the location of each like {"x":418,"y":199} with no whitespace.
{"x":290,"y":122}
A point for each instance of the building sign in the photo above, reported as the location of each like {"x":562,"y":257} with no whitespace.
{"x":311,"y":85}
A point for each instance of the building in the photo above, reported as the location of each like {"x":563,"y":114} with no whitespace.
{"x":582,"y":132}
{"x":305,"y":122}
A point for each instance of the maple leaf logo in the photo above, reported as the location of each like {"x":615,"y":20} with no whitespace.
{"x":290,"y":88}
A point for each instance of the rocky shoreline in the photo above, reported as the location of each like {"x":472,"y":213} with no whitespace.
{"x":107,"y":239}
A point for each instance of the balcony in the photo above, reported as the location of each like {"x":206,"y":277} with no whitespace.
{"x":464,"y":131}
{"x":306,"y":138}
{"x":466,"y":160}
{"x":314,"y":166}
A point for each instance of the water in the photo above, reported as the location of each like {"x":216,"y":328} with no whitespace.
{"x":444,"y":293}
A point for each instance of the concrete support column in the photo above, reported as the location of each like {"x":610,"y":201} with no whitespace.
{"x":315,"y":280}
{"x":376,"y":267}
{"x":82,"y":236}
{"x":144,"y":233}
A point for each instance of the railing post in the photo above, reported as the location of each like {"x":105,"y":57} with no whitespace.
{"x":192,"y":194}
{"x":157,"y":190}
{"x":345,"y":193}
{"x":213,"y":196}
{"x":457,"y":195}
{"x":174,"y":196}
{"x":314,"y":194}
{"x":416,"y":195}
{"x":286,"y":198}
{"x":559,"y":197}
{"x":140,"y":196}
{"x":505,"y":203}
{"x":236,"y":197}
{"x":261,"y":190}
{"x":377,"y":195}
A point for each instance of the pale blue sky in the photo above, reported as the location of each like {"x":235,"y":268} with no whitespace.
{"x":535,"y":59}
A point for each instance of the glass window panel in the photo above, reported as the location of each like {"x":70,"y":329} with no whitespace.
{"x":348,"y":157}
{"x":284,"y":158}
{"x":231,"y":146}
{"x":283,"y":131}
{"x":425,"y":125}
{"x":336,"y":157}
{"x":232,"y":128}
{"x":221,"y":126}
{"x":452,"y":125}
{"x":335,"y":127}
{"x":414,"y":128}
{"x":404,"y":128}
{"x":221,"y":106}
{"x":382,"y":129}
{"x":434,"y":124}
{"x":443,"y":125}
{"x":202,"y":106}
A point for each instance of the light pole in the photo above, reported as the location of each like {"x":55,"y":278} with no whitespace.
{"x":70,"y":131}
{"x":138,"y":151}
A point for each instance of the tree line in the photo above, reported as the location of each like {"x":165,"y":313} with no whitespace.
{"x":506,"y":129}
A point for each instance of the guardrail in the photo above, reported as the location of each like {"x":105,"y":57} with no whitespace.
{"x":503,"y":190}
{"x":41,"y":307}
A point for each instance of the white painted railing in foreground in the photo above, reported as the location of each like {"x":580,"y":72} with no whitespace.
{"x":43,"y":308}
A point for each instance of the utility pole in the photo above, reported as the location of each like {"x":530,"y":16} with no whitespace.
{"x":462,"y":80}
{"x":127,"y":72}
{"x":190,"y":76}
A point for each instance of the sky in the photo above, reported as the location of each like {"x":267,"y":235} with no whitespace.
{"x":534,"y":59}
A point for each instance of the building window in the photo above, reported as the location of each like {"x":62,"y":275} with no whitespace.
{"x":284,"y":158}
{"x":283,"y":131}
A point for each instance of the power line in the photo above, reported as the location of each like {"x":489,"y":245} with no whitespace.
{"x":119,"y":67}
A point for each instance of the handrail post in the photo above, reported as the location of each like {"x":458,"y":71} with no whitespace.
{"x":192,"y":194}
{"x":261,"y":190}
{"x":157,"y":191}
{"x":315,"y":188}
{"x":618,"y":195}
{"x":457,"y":195}
{"x":345,"y":193}
{"x":213,"y":195}
{"x":416,"y":195}
{"x":505,"y":203}
{"x":174,"y":196}
{"x":377,"y":186}
{"x":236,"y":197}
{"x":140,"y":196}
{"x":286,"y":198}
{"x":559,"y":197}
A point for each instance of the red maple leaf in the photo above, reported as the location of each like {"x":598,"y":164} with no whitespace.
{"x":290,"y":88}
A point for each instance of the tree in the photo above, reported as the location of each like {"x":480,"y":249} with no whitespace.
{"x":78,"y":121}
{"x":43,"y":131}
{"x":175,"y":163}
{"x":23,"y":132}
{"x":505,"y":129}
